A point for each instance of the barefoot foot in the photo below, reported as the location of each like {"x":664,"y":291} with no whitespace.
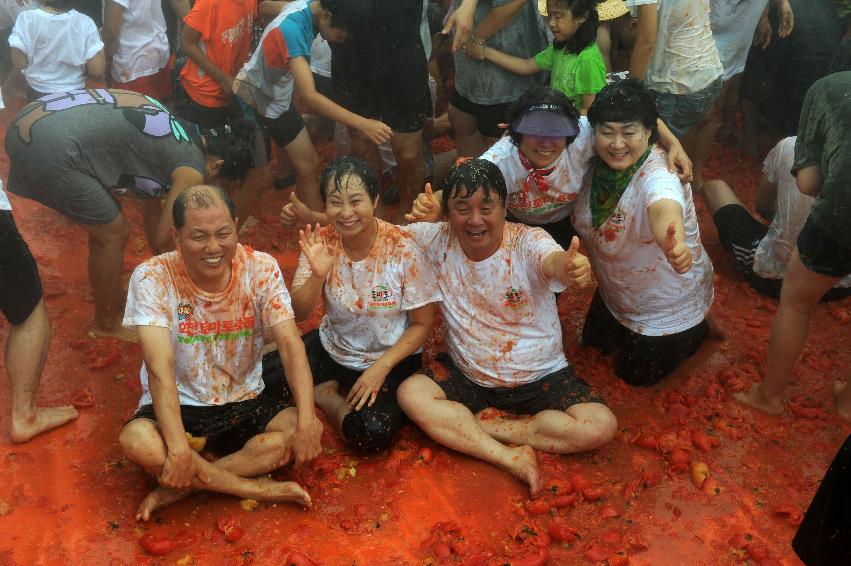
{"x":754,"y":398}
{"x":41,"y":420}
{"x":524,"y":466}
{"x":843,"y":399}
{"x":160,"y":497}
{"x":124,"y":334}
{"x":283,"y":492}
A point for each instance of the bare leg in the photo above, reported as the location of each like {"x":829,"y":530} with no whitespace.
{"x":246,"y":196}
{"x":802,"y":289}
{"x":581,"y":427}
{"x":699,"y":139}
{"x":265,"y":452}
{"x":718,"y":194}
{"x":468,"y":140}
{"x":26,"y":351}
{"x":410,"y":168}
{"x":305,"y":163}
{"x":106,"y":253}
{"x":730,"y":108}
{"x":327,"y":397}
{"x":453,"y":425}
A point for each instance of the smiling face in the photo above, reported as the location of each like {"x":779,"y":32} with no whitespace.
{"x":350,"y":210}
{"x":621,"y":144}
{"x":207,"y":243}
{"x":562,"y":22}
{"x":478,"y":223}
{"x":542,"y":151}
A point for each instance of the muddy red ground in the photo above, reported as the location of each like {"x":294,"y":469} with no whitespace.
{"x":69,"y":496}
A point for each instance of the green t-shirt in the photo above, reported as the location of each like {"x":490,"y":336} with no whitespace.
{"x":574,"y":74}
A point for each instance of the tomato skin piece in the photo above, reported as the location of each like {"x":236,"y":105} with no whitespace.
{"x":680,"y":456}
{"x":579,"y":482}
{"x":596,"y":554}
{"x":156,"y":545}
{"x":441,"y":551}
{"x":538,"y":507}
{"x":426,"y":455}
{"x":229,"y":526}
{"x":702,"y":441}
{"x":563,"y":501}
{"x":560,"y":531}
{"x":790,"y":513}
{"x":297,"y":558}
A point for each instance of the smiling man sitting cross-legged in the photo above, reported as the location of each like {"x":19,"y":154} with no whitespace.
{"x":201,"y":313}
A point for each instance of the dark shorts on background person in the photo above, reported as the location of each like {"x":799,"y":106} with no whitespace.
{"x":488,"y":116}
{"x":822,"y":254}
{"x":402,"y":101}
{"x":556,"y":391}
{"x":682,"y":111}
{"x":562,"y":231}
{"x":283,"y":129}
{"x":640,"y":360}
{"x":226,"y":427}
{"x":371,"y":429}
{"x":20,"y":284}
{"x":323,"y":85}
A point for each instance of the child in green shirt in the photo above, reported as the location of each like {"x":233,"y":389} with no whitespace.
{"x":574,"y":61}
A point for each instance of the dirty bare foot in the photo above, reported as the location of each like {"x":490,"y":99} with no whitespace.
{"x":282,"y":491}
{"x":158,"y":498}
{"x":40,"y":420}
{"x":524,"y":466}
{"x":843,"y":399}
{"x":119,"y":332}
{"x":754,"y":398}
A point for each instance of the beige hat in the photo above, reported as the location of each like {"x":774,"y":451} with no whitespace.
{"x":608,"y":9}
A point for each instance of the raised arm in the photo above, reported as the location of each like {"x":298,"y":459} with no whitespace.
{"x":321,"y":257}
{"x":180,"y":466}
{"x":427,"y":206}
{"x":508,"y":62}
{"x":305,"y":440}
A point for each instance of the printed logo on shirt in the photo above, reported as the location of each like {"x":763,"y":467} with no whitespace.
{"x":514,"y":298}
{"x":381,"y":298}
{"x":615,"y":224}
{"x":519,"y":200}
{"x":184,"y":311}
{"x":232,"y":35}
{"x":192,"y":331}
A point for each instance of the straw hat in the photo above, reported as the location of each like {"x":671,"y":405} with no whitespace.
{"x":608,"y":9}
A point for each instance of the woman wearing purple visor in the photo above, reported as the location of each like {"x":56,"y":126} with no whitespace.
{"x":544,"y":157}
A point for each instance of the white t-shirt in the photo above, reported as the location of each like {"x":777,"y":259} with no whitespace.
{"x":366,"y":301}
{"x":685,"y":59}
{"x":57,"y":47}
{"x":217,"y":337}
{"x":638,"y":285}
{"x":501,"y":322}
{"x":793,"y":207}
{"x":320,"y":57}
{"x":10,"y":9}
{"x":733,"y":24}
{"x":142,"y":43}
{"x":565,"y":181}
{"x":4,"y":200}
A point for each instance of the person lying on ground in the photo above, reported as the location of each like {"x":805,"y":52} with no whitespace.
{"x":379,"y":291}
{"x":543,"y":159}
{"x":201,"y":313}
{"x":822,"y":256}
{"x":29,"y":336}
{"x":76,"y":152}
{"x":638,"y":223}
{"x":761,"y":253}
{"x":505,"y":387}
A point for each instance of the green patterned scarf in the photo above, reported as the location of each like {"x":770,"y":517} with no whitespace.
{"x":608,"y":186}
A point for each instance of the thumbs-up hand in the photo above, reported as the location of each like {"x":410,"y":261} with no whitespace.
{"x":678,"y":254}
{"x":295,"y":212}
{"x":426,"y":208}
{"x":575,"y":267}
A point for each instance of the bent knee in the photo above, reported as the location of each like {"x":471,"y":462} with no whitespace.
{"x":141,"y":442}
{"x":413,"y":391}
{"x":600,"y":425}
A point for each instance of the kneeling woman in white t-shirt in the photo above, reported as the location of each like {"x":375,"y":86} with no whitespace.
{"x":638,"y":223}
{"x":379,"y":292}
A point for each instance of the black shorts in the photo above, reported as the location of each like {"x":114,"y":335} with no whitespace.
{"x":556,"y":391}
{"x":322,"y":84}
{"x":562,"y":231}
{"x":282,"y":129}
{"x":641,"y":360}
{"x":226,"y":427}
{"x":402,"y":101}
{"x":488,"y":116}
{"x":20,"y":284}
{"x":741,"y":233}
{"x":821,"y":254}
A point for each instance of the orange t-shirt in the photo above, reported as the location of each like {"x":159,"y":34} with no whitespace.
{"x":225,"y":27}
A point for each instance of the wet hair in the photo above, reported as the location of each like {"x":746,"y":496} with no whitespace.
{"x":199,"y":196}
{"x":62,"y":5}
{"x":234,"y":144}
{"x":469,"y":175}
{"x":538,"y":96}
{"x":334,"y":176}
{"x":351,"y":16}
{"x":586,"y":33}
{"x":625,"y":101}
